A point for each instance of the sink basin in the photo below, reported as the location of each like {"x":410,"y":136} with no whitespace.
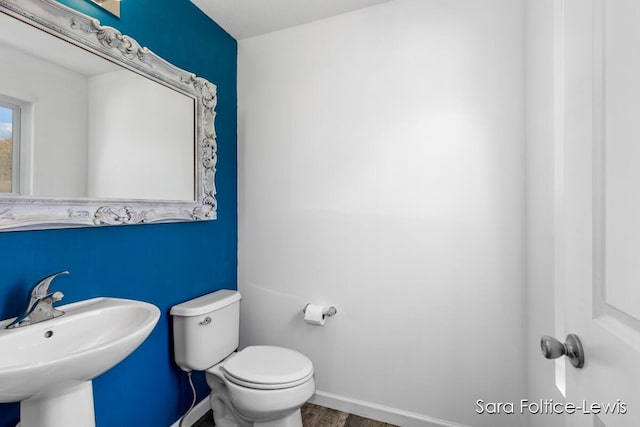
{"x":49,"y":366}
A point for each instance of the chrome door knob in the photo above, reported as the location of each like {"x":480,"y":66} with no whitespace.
{"x":572,"y":348}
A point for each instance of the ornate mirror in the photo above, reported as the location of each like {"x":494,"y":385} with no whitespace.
{"x":95,"y":129}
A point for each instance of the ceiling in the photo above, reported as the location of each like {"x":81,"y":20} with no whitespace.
{"x":247,"y":18}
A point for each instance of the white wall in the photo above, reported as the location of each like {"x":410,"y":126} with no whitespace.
{"x":381,"y":170}
{"x":129,"y":152}
{"x":54,"y":141}
{"x":540,"y":155}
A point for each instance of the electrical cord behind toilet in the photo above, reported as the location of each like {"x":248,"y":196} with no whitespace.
{"x":193,"y":402}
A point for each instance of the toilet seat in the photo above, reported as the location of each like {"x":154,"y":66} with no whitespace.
{"x":268,"y":368}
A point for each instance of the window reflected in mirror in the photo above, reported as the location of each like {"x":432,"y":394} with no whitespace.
{"x":9,"y":125}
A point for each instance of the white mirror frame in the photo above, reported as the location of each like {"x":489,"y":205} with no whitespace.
{"x":34,"y":213}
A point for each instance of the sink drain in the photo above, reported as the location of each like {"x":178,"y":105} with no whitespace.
{"x":48,"y":334}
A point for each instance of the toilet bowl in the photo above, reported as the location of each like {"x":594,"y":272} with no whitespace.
{"x":263,"y":384}
{"x":259,"y":386}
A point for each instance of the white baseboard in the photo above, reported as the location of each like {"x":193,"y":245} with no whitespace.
{"x":198,"y":411}
{"x":378,"y":412}
{"x":353,"y":406}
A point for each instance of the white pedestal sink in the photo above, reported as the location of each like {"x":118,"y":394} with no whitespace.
{"x":48,"y":366}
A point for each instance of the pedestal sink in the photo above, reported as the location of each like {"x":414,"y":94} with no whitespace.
{"x":48,"y":366}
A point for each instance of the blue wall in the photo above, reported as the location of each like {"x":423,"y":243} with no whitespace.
{"x":163,"y":264}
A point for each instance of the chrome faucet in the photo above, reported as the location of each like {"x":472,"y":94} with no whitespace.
{"x":40,"y":305}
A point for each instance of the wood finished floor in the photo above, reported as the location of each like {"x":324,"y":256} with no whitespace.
{"x":319,"y":416}
{"x":316,"y":416}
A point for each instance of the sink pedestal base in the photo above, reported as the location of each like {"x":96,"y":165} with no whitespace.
{"x":70,"y":406}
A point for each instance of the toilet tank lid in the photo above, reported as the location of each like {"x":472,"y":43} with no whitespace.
{"x":206,"y":303}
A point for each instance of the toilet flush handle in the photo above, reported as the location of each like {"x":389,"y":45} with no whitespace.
{"x":206,"y":321}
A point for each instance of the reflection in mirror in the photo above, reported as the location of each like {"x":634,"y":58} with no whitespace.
{"x":92,"y":128}
{"x":9,"y":120}
{"x":146,"y":151}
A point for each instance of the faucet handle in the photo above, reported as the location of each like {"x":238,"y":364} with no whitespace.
{"x":39,"y":295}
{"x":42,"y":288}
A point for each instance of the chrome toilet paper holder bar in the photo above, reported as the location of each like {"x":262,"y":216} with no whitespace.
{"x":328,"y":311}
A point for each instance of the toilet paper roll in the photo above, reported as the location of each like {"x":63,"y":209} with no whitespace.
{"x":314,"y":315}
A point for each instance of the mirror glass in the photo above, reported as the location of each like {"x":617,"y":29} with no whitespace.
{"x":76,"y":125}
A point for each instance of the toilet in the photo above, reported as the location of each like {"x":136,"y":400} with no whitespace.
{"x":261,"y":386}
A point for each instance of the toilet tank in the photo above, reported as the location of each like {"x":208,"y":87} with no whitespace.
{"x":206,"y":329}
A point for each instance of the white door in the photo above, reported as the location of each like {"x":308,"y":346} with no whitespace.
{"x":598,"y":211}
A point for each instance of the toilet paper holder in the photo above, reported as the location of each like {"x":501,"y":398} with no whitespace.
{"x":328,"y":311}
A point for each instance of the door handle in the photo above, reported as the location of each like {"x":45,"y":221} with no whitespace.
{"x":572,"y":348}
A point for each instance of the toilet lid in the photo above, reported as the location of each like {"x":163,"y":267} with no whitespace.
{"x":268,"y":367}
